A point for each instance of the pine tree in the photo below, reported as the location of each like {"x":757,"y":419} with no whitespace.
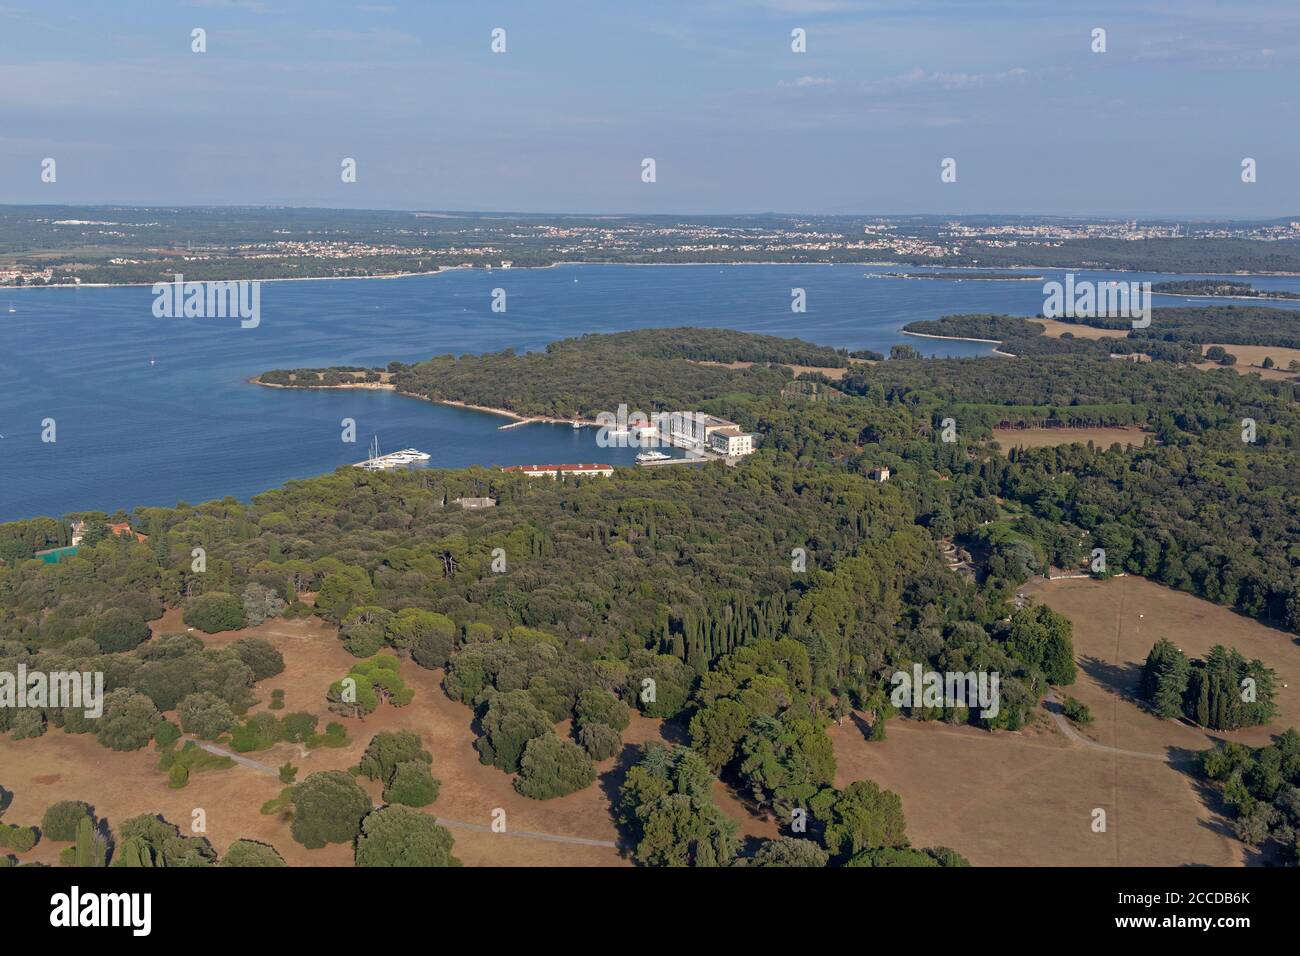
{"x":90,"y":849}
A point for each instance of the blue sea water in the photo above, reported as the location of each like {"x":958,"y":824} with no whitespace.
{"x":190,"y":427}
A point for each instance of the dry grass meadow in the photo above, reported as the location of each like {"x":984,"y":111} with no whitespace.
{"x":1131,"y":436}
{"x":61,"y":766}
{"x":1027,"y":798}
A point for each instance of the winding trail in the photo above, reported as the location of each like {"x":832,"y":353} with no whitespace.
{"x":1075,"y":737}
{"x":444,"y":821}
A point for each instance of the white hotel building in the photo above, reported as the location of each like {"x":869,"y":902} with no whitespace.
{"x":700,"y":432}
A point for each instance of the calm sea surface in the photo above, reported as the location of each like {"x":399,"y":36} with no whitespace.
{"x":190,"y":428}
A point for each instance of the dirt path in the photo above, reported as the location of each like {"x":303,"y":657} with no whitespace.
{"x":1063,"y":724}
{"x":444,"y":821}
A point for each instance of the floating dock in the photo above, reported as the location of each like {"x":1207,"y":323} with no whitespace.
{"x":674,"y":461}
{"x":406,"y":458}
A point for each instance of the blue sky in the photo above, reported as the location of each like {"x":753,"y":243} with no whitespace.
{"x":737,"y":122}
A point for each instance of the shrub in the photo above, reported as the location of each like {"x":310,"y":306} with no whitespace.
{"x":398,"y":836}
{"x":552,"y":767}
{"x":297,"y":727}
{"x":288,"y":772}
{"x":277,"y":699}
{"x":790,"y":851}
{"x":190,"y":759}
{"x":27,"y":723}
{"x":260,"y":603}
{"x":119,"y":629}
{"x":282,"y":804}
{"x":128,"y":721}
{"x":20,"y":839}
{"x":430,"y":637}
{"x":165,"y":734}
{"x":61,"y":819}
{"x":205,"y":715}
{"x":412,"y":784}
{"x":363,"y":630}
{"x":510,"y":721}
{"x":178,"y":776}
{"x":263,"y":659}
{"x":673,"y":681}
{"x":215,"y":611}
{"x":251,"y":853}
{"x":1077,"y":711}
{"x":259,"y":732}
{"x":370,"y":681}
{"x":387,"y":750}
{"x":600,"y":741}
{"x":328,"y":808}
{"x":336,"y":735}
{"x":597,"y":706}
{"x":152,"y":841}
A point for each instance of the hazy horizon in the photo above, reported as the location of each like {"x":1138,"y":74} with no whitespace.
{"x":1039,"y":124}
{"x":615,"y":214}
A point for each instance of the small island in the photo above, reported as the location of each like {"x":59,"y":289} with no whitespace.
{"x":1218,"y":289}
{"x":981,"y":276}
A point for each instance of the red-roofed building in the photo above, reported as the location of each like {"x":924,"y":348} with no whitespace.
{"x":124,"y":528}
{"x":121,"y":528}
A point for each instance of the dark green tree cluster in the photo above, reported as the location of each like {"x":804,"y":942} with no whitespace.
{"x":667,"y":812}
{"x":367,"y":685}
{"x":1223,"y":691}
{"x":398,"y":760}
{"x":1261,"y":786}
{"x":399,"y":836}
{"x":553,"y":767}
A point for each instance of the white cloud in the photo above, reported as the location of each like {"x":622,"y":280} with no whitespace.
{"x":804,"y":82}
{"x":918,"y":78}
{"x":251,"y":6}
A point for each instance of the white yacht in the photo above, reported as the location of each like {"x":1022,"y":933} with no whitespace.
{"x":652,"y":456}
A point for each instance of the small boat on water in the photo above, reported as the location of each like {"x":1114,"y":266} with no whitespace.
{"x":652,"y":456}
{"x":577,"y":425}
{"x":396,"y":459}
{"x":12,"y":310}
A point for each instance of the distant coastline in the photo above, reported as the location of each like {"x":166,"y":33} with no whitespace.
{"x":516,"y":418}
{"x":952,"y":338}
{"x":131,"y":285}
{"x":954,"y":274}
{"x":1263,"y":298}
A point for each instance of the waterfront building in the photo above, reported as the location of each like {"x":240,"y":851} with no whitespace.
{"x":731,"y":442}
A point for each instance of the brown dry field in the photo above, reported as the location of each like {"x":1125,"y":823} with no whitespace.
{"x":1053,"y":329}
{"x":61,"y":766}
{"x":834,"y":374}
{"x":1001,"y":799}
{"x":1249,"y":358}
{"x":1132,"y":436}
{"x":1026,"y":798}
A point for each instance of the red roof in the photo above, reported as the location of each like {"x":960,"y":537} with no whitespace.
{"x":124,"y":528}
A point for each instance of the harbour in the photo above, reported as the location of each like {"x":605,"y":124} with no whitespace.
{"x":405,"y":458}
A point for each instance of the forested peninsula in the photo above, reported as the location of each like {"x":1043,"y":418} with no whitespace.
{"x":762,"y":602}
